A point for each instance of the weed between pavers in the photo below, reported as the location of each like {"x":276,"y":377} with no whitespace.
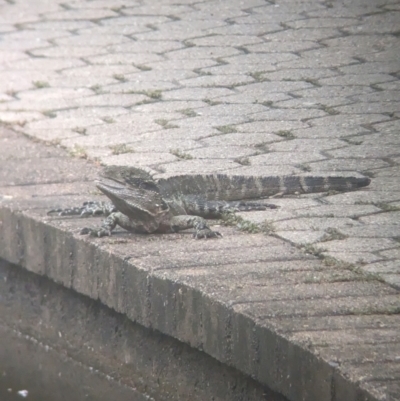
{"x":50,"y":114}
{"x":165,"y":123}
{"x":200,"y":72}
{"x":180,"y":154}
{"x":312,"y":81}
{"x":227,"y":129}
{"x":108,"y":120}
{"x":142,"y":67}
{"x":121,"y":149}
{"x":244,"y":161}
{"x":352,"y":141}
{"x":262,"y":147}
{"x":268,"y":103}
{"x":40,"y":84}
{"x":234,"y":220}
{"x":329,"y":110}
{"x":332,"y":234}
{"x":258,"y":76}
{"x":78,"y":151}
{"x":332,"y":262}
{"x":120,"y":77}
{"x":285,"y":134}
{"x":188,"y":43}
{"x":304,"y":167}
{"x":80,"y":130}
{"x":211,"y":102}
{"x":188,"y":112}
{"x":153,"y":94}
{"x":96,"y":88}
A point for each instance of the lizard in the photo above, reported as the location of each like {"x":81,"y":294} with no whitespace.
{"x":141,"y":204}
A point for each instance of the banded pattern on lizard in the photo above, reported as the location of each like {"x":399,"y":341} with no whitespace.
{"x":143,"y":205}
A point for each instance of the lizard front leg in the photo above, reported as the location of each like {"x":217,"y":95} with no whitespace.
{"x":184,"y":222}
{"x":117,"y":218}
{"x":108,"y":224}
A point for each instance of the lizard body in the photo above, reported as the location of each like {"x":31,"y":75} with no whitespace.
{"x":143,"y":205}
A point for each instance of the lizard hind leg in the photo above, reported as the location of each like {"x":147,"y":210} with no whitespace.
{"x":202,"y":230}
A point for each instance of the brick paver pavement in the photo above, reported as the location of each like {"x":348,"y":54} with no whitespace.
{"x":255,"y":87}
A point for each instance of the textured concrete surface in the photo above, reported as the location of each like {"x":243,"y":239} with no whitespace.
{"x":219,"y":86}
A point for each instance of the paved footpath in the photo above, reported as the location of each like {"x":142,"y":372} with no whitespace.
{"x":254,"y":87}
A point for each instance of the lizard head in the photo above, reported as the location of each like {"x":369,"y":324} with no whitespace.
{"x":134,"y":193}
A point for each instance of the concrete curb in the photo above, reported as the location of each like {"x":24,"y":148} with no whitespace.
{"x":247,"y":300}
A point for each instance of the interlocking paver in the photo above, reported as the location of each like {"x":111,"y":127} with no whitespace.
{"x":211,"y":86}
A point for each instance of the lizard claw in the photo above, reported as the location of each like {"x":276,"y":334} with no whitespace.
{"x":206,"y":233}
{"x":95,"y":233}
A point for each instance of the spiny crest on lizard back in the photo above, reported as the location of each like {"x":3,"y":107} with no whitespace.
{"x":236,"y":187}
{"x":132,"y":176}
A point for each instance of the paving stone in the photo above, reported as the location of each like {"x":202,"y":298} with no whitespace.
{"x":45,"y":64}
{"x":351,"y":245}
{"x":299,"y":74}
{"x":382,"y":107}
{"x":139,"y":159}
{"x":323,"y":103}
{"x":280,"y":157}
{"x":385,"y":267}
{"x":255,"y":29}
{"x":282,"y":169}
{"x":300,"y":223}
{"x":359,"y":79}
{"x":125,"y":58}
{"x":220,"y":80}
{"x":81,"y":14}
{"x":196,"y":93}
{"x":121,"y":99}
{"x":356,"y":164}
{"x":274,"y":46}
{"x":254,"y":98}
{"x":64,"y":123}
{"x":191,"y":166}
{"x":65,"y":51}
{"x":270,"y":126}
{"x":227,"y":40}
{"x":391,"y":253}
{"x":357,"y":258}
{"x":159,"y":9}
{"x":339,"y":121}
{"x":18,"y":117}
{"x":302,"y":114}
{"x":387,"y":172}
{"x":384,"y":67}
{"x":233,"y":152}
{"x":248,"y":139}
{"x":177,"y":30}
{"x":380,"y":24}
{"x":66,"y":25}
{"x":302,"y":237}
{"x":294,"y":86}
{"x":304,"y":145}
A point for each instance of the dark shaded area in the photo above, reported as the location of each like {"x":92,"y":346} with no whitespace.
{"x":60,"y":345}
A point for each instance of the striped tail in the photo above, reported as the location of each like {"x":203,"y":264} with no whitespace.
{"x":237,"y":187}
